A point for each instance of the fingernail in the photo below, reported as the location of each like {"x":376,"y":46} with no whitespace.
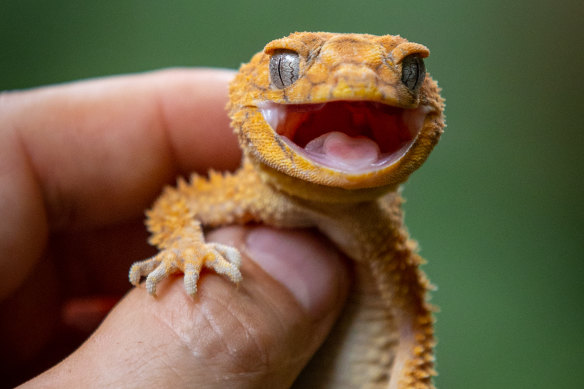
{"x":306,"y":265}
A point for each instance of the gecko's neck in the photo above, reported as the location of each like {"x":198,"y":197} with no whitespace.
{"x":305,"y":190}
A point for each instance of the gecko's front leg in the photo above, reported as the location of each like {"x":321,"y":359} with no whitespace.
{"x":177,"y":217}
{"x":185,"y":251}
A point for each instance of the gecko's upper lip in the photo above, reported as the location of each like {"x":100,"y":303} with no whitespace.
{"x":351,"y":136}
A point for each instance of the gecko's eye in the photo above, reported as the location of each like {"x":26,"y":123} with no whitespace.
{"x":284,"y":68}
{"x":413,"y":71}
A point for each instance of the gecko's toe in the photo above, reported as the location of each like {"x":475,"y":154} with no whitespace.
{"x":221,"y":258}
{"x":224,"y":260}
{"x":142,"y":269}
{"x":231,"y":254}
{"x":167,"y":266}
{"x":191,"y":277}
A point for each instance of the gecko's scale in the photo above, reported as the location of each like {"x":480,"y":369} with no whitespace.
{"x":330,"y":126}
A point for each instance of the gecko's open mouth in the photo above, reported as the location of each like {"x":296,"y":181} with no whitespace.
{"x":351,"y":136}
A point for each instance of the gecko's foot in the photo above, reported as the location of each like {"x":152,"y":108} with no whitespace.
{"x":221,"y":258}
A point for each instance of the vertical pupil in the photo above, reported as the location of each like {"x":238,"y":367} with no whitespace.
{"x":284,"y":68}
{"x":416,"y":72}
{"x":280,"y":69}
{"x":413,"y":72}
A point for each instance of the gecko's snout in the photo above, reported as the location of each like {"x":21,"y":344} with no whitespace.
{"x":354,"y":82}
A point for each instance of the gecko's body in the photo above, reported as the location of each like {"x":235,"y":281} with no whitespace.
{"x":330,"y":126}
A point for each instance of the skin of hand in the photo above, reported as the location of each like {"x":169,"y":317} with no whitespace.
{"x":79,"y":163}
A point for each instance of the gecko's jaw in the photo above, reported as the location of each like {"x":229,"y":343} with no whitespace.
{"x":349,"y":136}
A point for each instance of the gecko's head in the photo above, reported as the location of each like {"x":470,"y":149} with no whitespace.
{"x":348,"y":112}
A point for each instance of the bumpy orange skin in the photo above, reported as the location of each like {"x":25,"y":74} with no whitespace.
{"x":385,"y":337}
{"x":333,"y":67}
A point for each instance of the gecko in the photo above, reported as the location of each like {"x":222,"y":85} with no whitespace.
{"x":330,"y":126}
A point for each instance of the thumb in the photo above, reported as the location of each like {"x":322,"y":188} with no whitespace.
{"x":257,"y":334}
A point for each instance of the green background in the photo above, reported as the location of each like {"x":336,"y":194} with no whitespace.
{"x":498,"y":207}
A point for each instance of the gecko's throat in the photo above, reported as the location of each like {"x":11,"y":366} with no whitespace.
{"x":349,"y":136}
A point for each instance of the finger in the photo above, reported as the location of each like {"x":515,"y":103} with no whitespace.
{"x":96,"y":152}
{"x":99,"y":150}
{"x":258,"y":334}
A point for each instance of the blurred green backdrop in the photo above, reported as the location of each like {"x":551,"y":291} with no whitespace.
{"x":497,"y":209}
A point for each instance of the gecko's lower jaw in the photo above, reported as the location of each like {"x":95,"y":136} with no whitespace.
{"x":348,"y":136}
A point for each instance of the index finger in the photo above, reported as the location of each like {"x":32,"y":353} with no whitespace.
{"x":97,"y":152}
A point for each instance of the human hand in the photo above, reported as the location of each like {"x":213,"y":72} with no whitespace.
{"x":78,"y":165}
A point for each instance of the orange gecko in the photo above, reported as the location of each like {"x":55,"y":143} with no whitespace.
{"x":330,"y":126}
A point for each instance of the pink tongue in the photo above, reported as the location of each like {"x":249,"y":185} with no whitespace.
{"x":340,"y":150}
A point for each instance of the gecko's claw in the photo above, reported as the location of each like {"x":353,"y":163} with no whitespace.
{"x":142,"y":269}
{"x":226,"y":261}
{"x":221,"y":258}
